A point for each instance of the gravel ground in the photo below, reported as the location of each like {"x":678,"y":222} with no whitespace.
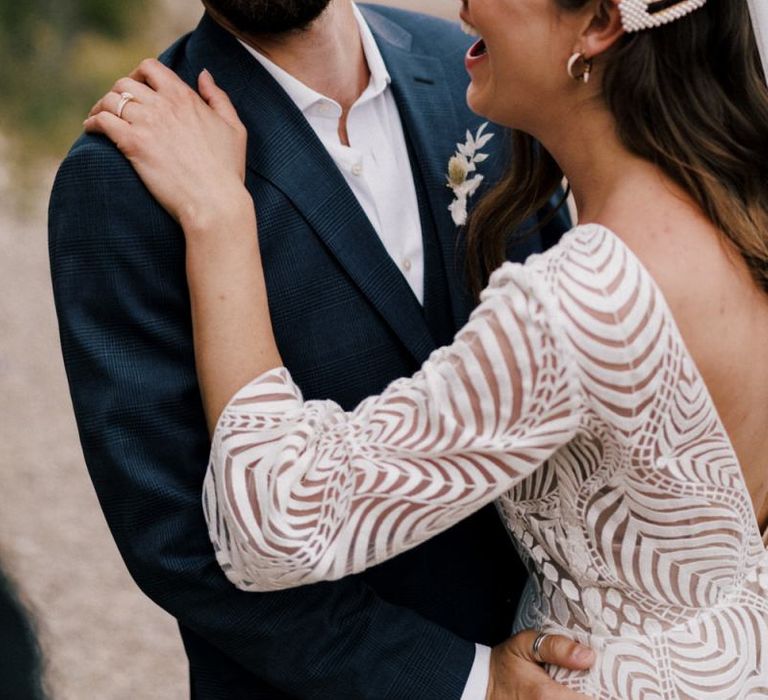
{"x":101,"y":638}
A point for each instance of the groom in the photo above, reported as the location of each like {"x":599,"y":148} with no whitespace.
{"x":352,"y":119}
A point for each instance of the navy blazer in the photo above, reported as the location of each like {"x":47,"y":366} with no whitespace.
{"x":347,"y":324}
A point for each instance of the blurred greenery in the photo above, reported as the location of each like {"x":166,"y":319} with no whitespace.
{"x":57,"y":57}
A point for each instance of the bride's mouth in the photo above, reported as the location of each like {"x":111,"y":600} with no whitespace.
{"x":477,"y":54}
{"x":478,"y":49}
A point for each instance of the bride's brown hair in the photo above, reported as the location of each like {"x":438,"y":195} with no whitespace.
{"x":689,"y":97}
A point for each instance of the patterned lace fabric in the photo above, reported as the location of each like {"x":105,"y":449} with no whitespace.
{"x":570,"y":399}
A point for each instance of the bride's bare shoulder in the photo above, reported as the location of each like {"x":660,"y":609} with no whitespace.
{"x":691,"y":261}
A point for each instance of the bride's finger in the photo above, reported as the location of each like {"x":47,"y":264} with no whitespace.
{"x":141,"y":91}
{"x":103,"y":105}
{"x":118,"y":104}
{"x":159,"y":77}
{"x":106,"y":123}
{"x":217,"y":99}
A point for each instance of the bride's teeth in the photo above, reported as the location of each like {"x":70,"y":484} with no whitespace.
{"x":468,"y":29}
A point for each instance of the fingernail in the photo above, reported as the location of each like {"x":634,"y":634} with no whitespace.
{"x":583,"y":655}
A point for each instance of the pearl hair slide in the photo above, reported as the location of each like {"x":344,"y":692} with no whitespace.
{"x":637,"y":15}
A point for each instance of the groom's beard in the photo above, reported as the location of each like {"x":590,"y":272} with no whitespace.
{"x":254,"y":17}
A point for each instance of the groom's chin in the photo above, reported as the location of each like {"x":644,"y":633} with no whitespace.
{"x":254,"y":17}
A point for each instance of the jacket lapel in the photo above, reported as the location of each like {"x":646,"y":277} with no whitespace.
{"x":428,"y":112}
{"x":283,"y":149}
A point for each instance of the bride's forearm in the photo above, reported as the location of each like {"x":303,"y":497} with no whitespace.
{"x":234,"y":341}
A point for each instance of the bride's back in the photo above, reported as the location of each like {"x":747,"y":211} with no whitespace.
{"x":720,"y":310}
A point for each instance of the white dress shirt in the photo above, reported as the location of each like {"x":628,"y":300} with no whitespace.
{"x":375,"y":165}
{"x":377,"y":169}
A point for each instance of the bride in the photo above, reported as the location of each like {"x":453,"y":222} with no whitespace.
{"x":609,"y":394}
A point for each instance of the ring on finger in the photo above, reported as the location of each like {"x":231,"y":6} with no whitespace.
{"x":536,"y":648}
{"x":125,"y":98}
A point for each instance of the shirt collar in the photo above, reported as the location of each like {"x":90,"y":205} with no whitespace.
{"x":305,"y":97}
{"x":380,"y":77}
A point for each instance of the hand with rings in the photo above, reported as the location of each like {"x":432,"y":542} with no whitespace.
{"x":516,"y":671}
{"x":189,"y":149}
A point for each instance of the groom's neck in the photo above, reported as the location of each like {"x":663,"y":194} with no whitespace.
{"x":327,"y":57}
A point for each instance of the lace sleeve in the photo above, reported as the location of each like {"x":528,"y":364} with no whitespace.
{"x":301,"y":491}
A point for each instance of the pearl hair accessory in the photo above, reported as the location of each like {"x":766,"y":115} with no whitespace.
{"x":637,"y":15}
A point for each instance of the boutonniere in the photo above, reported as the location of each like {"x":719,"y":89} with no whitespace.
{"x":461,"y":165}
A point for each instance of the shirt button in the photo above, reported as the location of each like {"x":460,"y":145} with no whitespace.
{"x":407,"y":265}
{"x":357,"y":169}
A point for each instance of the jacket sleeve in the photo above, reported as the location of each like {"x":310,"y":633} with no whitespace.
{"x":117,"y":263}
{"x":301,"y":491}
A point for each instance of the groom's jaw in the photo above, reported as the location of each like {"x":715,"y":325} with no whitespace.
{"x":266,"y":17}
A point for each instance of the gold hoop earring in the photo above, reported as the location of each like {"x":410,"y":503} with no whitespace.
{"x":586,"y":67}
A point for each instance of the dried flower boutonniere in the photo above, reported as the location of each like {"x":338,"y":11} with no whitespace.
{"x":460,"y":166}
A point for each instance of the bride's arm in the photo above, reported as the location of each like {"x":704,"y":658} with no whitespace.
{"x":232,"y":328}
{"x":191,"y":156}
{"x":302,"y":491}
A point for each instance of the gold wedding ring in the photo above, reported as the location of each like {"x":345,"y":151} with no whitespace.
{"x":125,"y":98}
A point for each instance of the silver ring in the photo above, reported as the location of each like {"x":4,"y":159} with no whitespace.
{"x":125,"y":98}
{"x":536,"y":649}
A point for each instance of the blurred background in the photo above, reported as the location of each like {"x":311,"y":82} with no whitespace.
{"x":62,"y":581}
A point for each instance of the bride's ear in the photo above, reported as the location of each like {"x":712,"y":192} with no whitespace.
{"x":604,"y":29}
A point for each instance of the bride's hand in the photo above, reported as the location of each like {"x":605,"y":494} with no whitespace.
{"x":189,"y":150}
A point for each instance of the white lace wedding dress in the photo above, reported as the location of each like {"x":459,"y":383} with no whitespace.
{"x":571,"y":398}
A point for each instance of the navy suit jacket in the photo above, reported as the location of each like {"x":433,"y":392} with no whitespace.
{"x":347,"y":324}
